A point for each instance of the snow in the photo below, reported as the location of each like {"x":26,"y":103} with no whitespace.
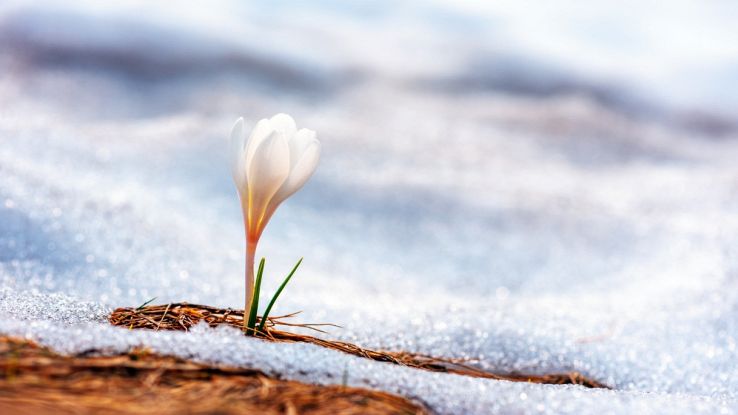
{"x":559,"y":225}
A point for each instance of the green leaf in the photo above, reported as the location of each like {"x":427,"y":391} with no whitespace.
{"x":145,"y":304}
{"x":255,"y":300}
{"x":276,"y":295}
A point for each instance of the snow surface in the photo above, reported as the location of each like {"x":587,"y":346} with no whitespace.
{"x":499,"y":208}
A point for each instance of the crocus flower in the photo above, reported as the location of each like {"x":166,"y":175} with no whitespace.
{"x":273,"y":164}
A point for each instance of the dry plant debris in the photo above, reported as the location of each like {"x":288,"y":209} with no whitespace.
{"x":182,"y":316}
{"x":38,"y":381}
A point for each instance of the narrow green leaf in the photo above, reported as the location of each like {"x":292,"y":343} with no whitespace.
{"x":276,"y":295}
{"x":255,"y":301}
{"x":145,"y":304}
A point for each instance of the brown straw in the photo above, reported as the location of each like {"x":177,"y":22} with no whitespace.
{"x":38,"y":381}
{"x":182,"y":316}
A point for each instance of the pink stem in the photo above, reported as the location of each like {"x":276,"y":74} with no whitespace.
{"x":250,"y":254}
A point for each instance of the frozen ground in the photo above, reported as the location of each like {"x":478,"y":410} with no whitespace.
{"x":505,"y":208}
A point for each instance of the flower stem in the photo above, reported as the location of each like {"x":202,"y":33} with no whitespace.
{"x":250,"y":254}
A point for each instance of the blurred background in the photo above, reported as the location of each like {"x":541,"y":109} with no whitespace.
{"x":568,"y":167}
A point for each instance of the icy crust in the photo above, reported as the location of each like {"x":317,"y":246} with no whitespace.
{"x":646,"y":380}
{"x":445,"y":394}
{"x":56,"y":307}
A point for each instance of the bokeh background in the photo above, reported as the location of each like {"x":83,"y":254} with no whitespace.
{"x":538,"y":187}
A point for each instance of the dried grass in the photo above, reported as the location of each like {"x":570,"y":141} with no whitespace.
{"x":182,"y":316}
{"x":38,"y":381}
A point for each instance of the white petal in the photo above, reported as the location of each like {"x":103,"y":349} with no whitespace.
{"x":297,"y":178}
{"x":301,"y":172}
{"x":268,"y":170}
{"x":236,"y":156}
{"x":261,"y":132}
{"x":284,"y":123}
{"x":299,"y":143}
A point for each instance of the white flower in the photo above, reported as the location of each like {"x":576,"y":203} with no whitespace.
{"x":273,"y":164}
